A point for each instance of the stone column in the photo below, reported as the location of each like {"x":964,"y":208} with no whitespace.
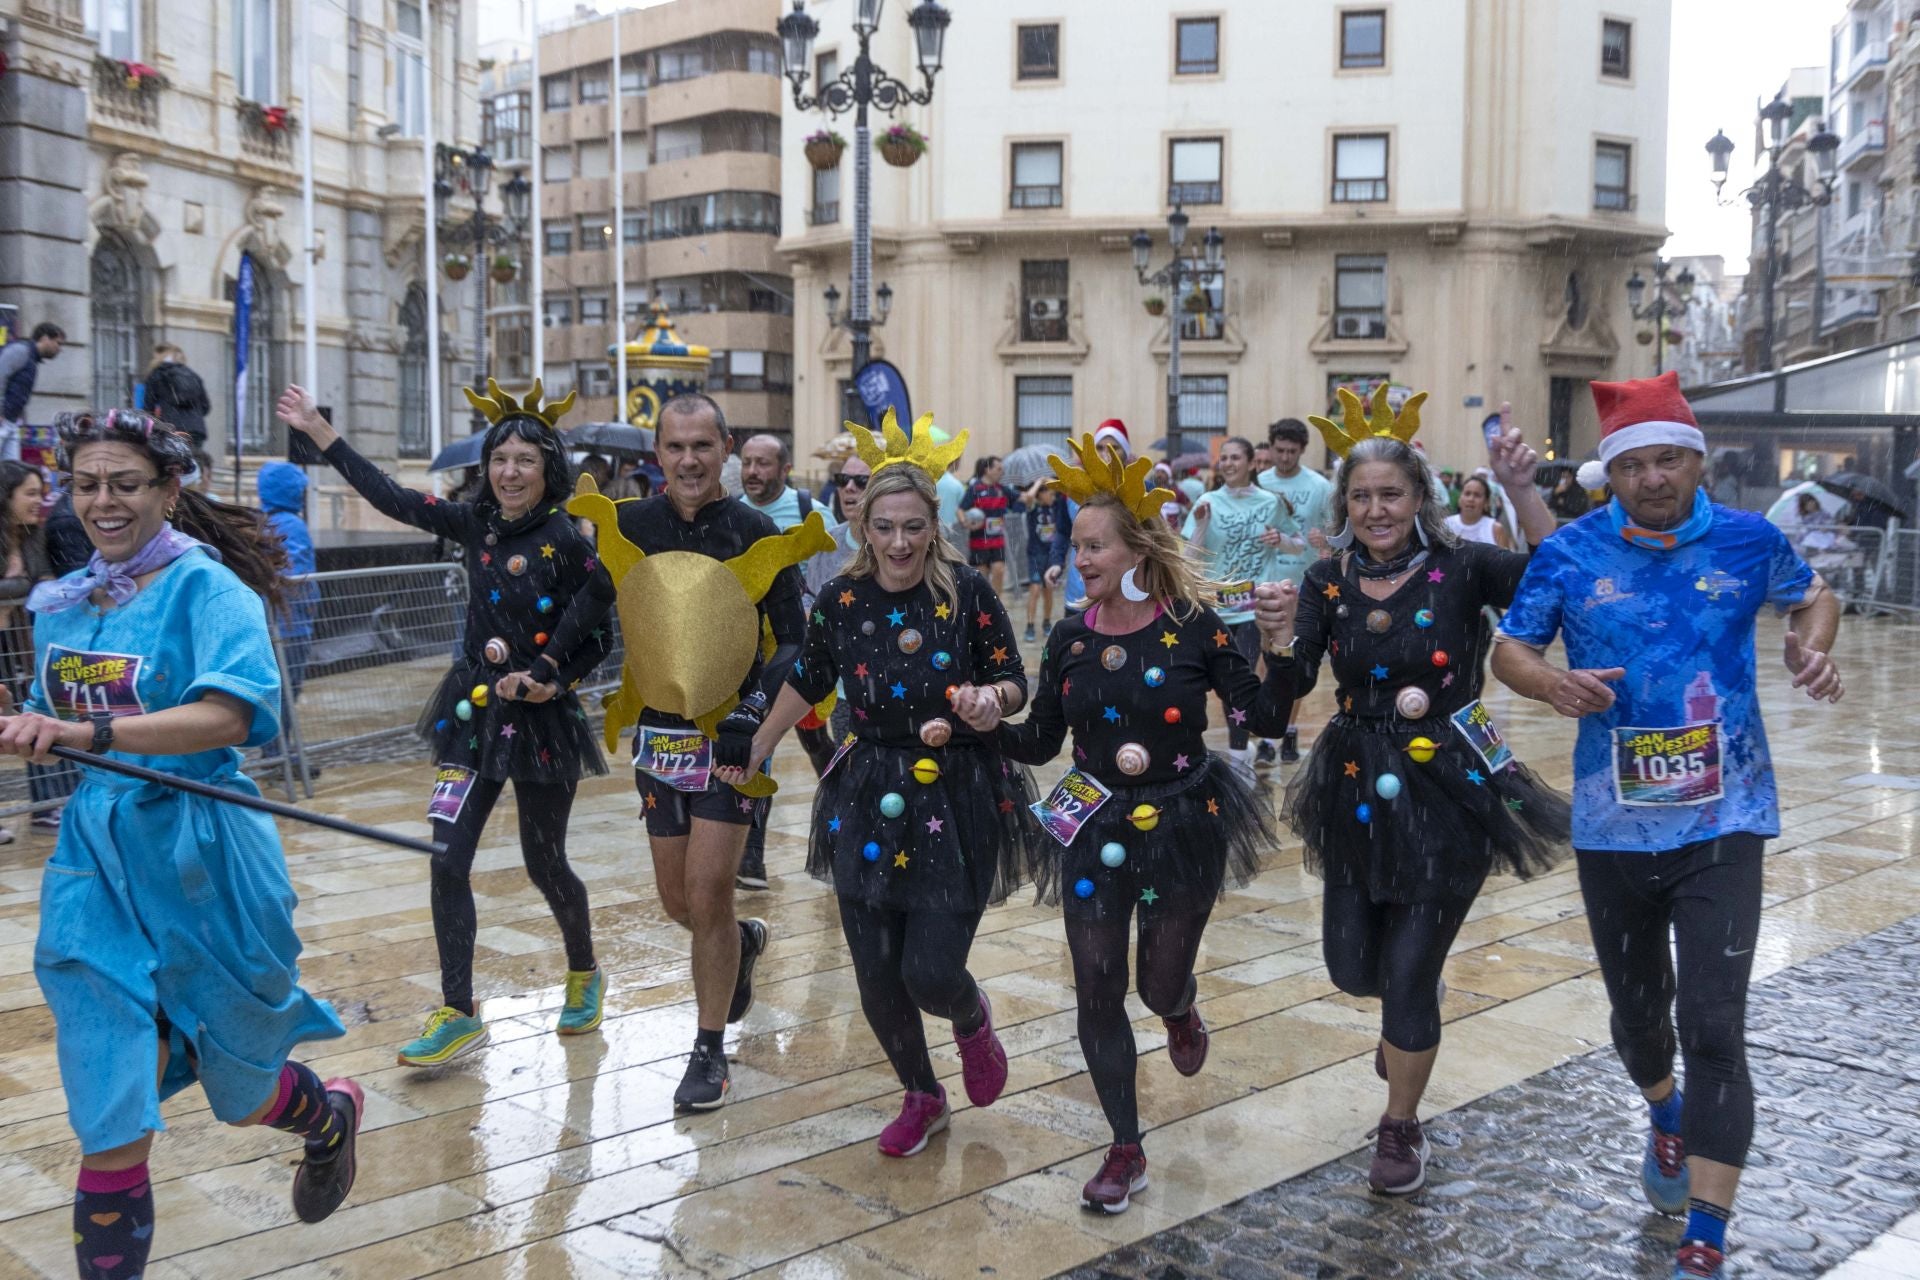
{"x":43,"y":206}
{"x":372,"y":407}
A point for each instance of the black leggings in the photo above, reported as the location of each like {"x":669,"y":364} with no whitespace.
{"x":1168,"y":945}
{"x":1394,"y":951}
{"x":544,"y":807}
{"x":1708,"y":894}
{"x":906,"y":962}
{"x":1246,"y":639}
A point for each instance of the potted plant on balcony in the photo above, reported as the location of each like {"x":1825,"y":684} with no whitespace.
{"x":1155,"y":305}
{"x":1196,"y":302}
{"x":138,"y":77}
{"x":824,"y":148}
{"x":902,"y":146}
{"x":504,"y":268}
{"x":456,"y":265}
{"x":268,"y":120}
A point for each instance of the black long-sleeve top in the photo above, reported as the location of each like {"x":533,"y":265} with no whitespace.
{"x":1147,"y":687}
{"x":511,"y":567}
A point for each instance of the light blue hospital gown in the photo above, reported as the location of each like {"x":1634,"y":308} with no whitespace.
{"x":156,"y":901}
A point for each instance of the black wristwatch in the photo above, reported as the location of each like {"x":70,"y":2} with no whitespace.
{"x":102,"y":733}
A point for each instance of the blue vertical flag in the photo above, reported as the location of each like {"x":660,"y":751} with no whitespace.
{"x":242,"y":342}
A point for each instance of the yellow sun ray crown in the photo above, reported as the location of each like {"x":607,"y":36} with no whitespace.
{"x":1102,"y":470}
{"x":497,"y":404}
{"x":891,"y":446}
{"x":1361,"y":425}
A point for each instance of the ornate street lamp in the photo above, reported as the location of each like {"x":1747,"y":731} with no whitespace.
{"x":1182,"y":271}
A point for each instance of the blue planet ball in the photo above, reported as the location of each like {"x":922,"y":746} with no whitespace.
{"x":1387,"y":786}
{"x":1423,"y":618}
{"x":1113,"y":853}
{"x":463,"y":709}
{"x":546,"y":604}
{"x":871,"y":851}
{"x":1083,"y":888}
{"x":893,"y":804}
{"x":440,"y":726}
{"x":1155,"y":677}
{"x":942,"y":660}
{"x":1364,"y":813}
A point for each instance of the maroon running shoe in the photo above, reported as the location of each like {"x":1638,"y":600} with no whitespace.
{"x":1122,"y":1173}
{"x":921,"y":1116}
{"x":983,"y":1062}
{"x":1399,"y":1157}
{"x":1187,"y":1042}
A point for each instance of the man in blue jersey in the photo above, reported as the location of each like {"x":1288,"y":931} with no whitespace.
{"x":1655,"y":595}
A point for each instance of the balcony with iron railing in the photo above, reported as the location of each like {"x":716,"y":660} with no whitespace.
{"x":1869,"y":63}
{"x":1870,"y":143}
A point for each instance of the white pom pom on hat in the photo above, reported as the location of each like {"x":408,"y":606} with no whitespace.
{"x":1592,"y":474}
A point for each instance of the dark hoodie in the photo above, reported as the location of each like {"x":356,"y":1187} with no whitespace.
{"x":283,"y":497}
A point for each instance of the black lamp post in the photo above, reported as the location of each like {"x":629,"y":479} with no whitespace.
{"x":1661,"y":309}
{"x":862,"y":85}
{"x":1181,"y":271}
{"x":1777,"y":191}
{"x":471,"y":172}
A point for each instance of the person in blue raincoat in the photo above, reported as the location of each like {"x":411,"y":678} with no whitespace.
{"x":283,"y":499}
{"x":166,"y":948}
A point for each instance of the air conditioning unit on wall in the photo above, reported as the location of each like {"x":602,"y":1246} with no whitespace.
{"x":1352,"y":327}
{"x":1047,"y":308}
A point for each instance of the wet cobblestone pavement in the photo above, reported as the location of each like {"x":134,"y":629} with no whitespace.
{"x":1542,"y":1179}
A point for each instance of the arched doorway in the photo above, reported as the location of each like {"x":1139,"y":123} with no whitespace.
{"x":415,"y":437}
{"x":119,"y":330}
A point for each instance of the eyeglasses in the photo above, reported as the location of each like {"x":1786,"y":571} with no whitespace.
{"x":123,"y":485}
{"x":841,"y":480}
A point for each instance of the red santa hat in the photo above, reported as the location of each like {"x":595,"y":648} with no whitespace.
{"x":1636,"y":414}
{"x":1113,"y":432}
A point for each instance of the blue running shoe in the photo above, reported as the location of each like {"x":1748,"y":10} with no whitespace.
{"x":449,"y":1034}
{"x":586,"y":1002}
{"x":1663,"y":1172}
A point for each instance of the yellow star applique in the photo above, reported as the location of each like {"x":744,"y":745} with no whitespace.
{"x":942,"y":612}
{"x":846,"y":597}
{"x":1168,"y":639}
{"x":900,"y":859}
{"x":1213,"y":806}
{"x":546,"y":551}
{"x":1331,"y":591}
{"x":1353,"y":768}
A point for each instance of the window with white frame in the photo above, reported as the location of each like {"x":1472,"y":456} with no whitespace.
{"x":1203,"y":409}
{"x":1037,"y":181}
{"x":596,"y":380}
{"x":559,"y":311}
{"x":559,"y":240}
{"x":1359,"y":168}
{"x":409,"y":70}
{"x":1360,"y":296}
{"x":1194,"y":167}
{"x":1612,"y":176}
{"x":826,"y":197}
{"x":593,"y":85}
{"x":1042,"y":410}
{"x":593,"y":308}
{"x":556,"y":164}
{"x":254,"y":43}
{"x":117,"y":25}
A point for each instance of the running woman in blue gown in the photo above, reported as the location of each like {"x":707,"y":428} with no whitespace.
{"x":166,"y":948}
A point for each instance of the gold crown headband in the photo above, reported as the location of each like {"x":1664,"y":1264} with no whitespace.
{"x":497,"y":404}
{"x":1103,"y":470}
{"x":1362,"y":426}
{"x":890,"y":446}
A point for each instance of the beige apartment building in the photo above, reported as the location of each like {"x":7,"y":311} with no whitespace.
{"x":700,"y":93}
{"x":1447,"y":195}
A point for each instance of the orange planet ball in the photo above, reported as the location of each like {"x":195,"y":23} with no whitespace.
{"x":951,"y":690}
{"x":1172,"y":715}
{"x":540,"y":638}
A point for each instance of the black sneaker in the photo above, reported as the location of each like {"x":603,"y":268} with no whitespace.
{"x":754,"y":936}
{"x":1264,"y":755}
{"x":753,"y":869}
{"x":319,"y":1186}
{"x":1290,"y":748}
{"x":704,"y":1087}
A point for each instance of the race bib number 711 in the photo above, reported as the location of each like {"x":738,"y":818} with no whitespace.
{"x":81,"y":685}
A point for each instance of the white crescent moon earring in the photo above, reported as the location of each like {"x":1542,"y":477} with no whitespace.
{"x":1129,"y":588}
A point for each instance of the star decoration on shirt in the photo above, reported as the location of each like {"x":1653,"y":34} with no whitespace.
{"x":486,"y":557}
{"x":1168,"y":639}
{"x":985,"y":619}
{"x":819,"y":618}
{"x":895,"y":618}
{"x":900,"y":859}
{"x":1436,"y":575}
{"x":432,"y":501}
{"x":651,"y":802}
{"x":934,"y":825}
{"x":1111,"y":715}
{"x":1148,"y":896}
{"x":473,"y":743}
{"x":493,"y":597}
{"x":860,"y":672}
{"x":943,"y":611}
{"x":846,"y":597}
{"x":1213,"y":806}
{"x":1353,"y":768}
{"x":1066,"y":686}
{"x":746,"y":804}
{"x":1377,"y":671}
{"x":1347,"y":706}
{"x":898,"y":690}
{"x":592,"y":564}
{"x":999,"y":653}
{"x":546,"y":756}
{"x":1514,"y":804}
{"x":1006,"y":806}
{"x":1331,"y":591}
{"x":859,"y":713}
{"x":833,"y":824}
{"x":506,"y":731}
{"x":546,"y":551}
{"x":1475,"y":777}
{"x":1181,"y":764}
{"x":1238,"y":715}
{"x":1221,"y":639}
{"x":1446,"y":680}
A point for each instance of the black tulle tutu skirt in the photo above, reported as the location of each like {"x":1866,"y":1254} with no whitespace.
{"x":962,"y":840}
{"x":1211,"y":831}
{"x":525,"y":741}
{"x":1452,"y":822}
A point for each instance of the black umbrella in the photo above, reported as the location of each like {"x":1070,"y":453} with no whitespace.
{"x":1845,"y":483}
{"x":464,"y":452}
{"x":616,"y":438}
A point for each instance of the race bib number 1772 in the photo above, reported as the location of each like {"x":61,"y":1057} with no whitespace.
{"x":681,"y":758}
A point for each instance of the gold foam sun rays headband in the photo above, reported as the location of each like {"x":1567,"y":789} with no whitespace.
{"x":1361,"y":425}
{"x":890,"y":446}
{"x":1101,"y":469}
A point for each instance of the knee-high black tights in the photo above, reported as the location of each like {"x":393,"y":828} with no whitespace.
{"x":907,"y":962}
{"x":1394,"y":951}
{"x":544,"y":809}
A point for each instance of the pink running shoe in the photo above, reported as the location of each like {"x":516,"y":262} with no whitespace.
{"x":983,"y":1062}
{"x":1187,"y":1042}
{"x":921,"y":1116}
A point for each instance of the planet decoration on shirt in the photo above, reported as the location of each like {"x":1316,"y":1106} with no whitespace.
{"x":1364,"y":813}
{"x":516,"y":565}
{"x":942,"y":660}
{"x":926,"y":772}
{"x":463,"y":709}
{"x":1113,"y":657}
{"x":540,"y":638}
{"x":1171,"y":715}
{"x":1387,"y":786}
{"x":1423,"y":618}
{"x":479,"y":695}
{"x":1144,"y":817}
{"x":1112,"y":853}
{"x":1379,"y":621}
{"x":936,"y":732}
{"x":546,"y":604}
{"x":1083,"y":888}
{"x":496,"y":651}
{"x":1412,"y":703}
{"x":1422,"y":749}
{"x":870,"y":851}
{"x":1439,"y":657}
{"x":1132,"y":759}
{"x":893,"y":804}
{"x":1155,"y":677}
{"x":910,"y":641}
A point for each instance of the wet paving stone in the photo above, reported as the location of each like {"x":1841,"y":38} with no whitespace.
{"x":1542,"y":1178}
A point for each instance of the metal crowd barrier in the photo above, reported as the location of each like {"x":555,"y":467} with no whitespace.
{"x":1886,"y":580}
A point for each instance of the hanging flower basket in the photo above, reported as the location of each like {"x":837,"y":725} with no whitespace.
{"x":902,"y":146}
{"x":456,"y":265}
{"x":267,"y":119}
{"x":1155,"y":306}
{"x":823,"y":149}
{"x":504,"y":268}
{"x":1196,"y":302}
{"x":138,"y":77}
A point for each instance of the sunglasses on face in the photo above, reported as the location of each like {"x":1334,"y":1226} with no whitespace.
{"x":841,"y":480}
